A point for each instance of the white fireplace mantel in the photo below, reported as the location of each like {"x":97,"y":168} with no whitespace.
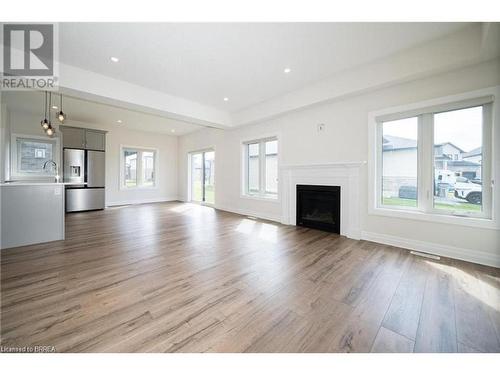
{"x":343,"y":174}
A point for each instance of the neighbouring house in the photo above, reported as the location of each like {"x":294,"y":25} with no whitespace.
{"x":475,"y":155}
{"x":399,"y":162}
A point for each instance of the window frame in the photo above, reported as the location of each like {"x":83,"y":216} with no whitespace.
{"x":261,"y":194}
{"x":15,"y":173}
{"x":425,"y":111}
{"x":139,"y":172}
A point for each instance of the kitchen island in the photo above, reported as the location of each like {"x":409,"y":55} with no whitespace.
{"x":31,"y":212}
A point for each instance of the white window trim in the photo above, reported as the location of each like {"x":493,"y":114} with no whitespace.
{"x":122,"y":164}
{"x":14,"y":174}
{"x":244,"y":193}
{"x":428,"y":213}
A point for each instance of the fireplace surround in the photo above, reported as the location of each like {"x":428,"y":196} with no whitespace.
{"x":343,"y":174}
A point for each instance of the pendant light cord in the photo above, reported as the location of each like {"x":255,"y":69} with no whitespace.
{"x":45,"y":104}
{"x":50,"y":103}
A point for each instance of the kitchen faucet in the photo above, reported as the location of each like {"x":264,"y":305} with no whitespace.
{"x":55,"y":167}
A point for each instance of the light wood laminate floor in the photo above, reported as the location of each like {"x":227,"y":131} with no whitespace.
{"x":175,"y":277}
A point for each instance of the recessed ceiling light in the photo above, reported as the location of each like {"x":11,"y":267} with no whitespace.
{"x":287,"y":70}
{"x":119,"y":121}
{"x":173,"y":130}
{"x":226,"y":99}
{"x":54,"y":107}
{"x":114,"y":59}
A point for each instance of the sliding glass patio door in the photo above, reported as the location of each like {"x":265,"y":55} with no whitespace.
{"x":203,"y":177}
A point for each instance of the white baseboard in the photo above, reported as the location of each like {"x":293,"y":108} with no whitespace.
{"x":469,"y":255}
{"x":256,"y":214}
{"x":140,"y":201}
{"x":354,"y":234}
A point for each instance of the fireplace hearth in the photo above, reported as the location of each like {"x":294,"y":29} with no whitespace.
{"x":318,"y":207}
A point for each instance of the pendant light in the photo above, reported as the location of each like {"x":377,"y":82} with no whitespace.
{"x":50,"y":130}
{"x":61,"y":115}
{"x":44,"y":123}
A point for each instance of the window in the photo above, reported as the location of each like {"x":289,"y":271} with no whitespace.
{"x":148,"y":169}
{"x":138,"y":167}
{"x":458,"y":182}
{"x":435,"y":160}
{"x":253,"y":167}
{"x":399,"y":162}
{"x":261,"y":168}
{"x":130,"y":168}
{"x":29,"y":154}
{"x":271,"y":167}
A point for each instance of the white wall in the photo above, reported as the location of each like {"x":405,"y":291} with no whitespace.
{"x":166,"y":188}
{"x":346,"y":139}
{"x":3,"y":139}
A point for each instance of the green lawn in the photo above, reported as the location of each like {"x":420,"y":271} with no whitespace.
{"x":196,"y":194}
{"x":401,"y":202}
{"x":453,"y":205}
{"x":465,"y":206}
{"x":209,"y":194}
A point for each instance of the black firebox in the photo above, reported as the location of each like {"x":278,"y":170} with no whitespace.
{"x":318,"y":207}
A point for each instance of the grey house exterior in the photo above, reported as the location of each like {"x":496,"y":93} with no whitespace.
{"x":400,"y":167}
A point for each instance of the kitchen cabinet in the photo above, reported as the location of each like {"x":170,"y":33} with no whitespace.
{"x":73,"y":137}
{"x":95,"y":140}
{"x":81,"y":138}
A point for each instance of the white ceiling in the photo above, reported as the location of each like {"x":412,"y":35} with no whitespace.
{"x":32,"y":102}
{"x":244,"y":61}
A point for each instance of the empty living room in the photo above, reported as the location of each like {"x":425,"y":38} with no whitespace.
{"x":218,"y":183}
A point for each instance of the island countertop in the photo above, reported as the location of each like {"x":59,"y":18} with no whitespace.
{"x":39,"y":183}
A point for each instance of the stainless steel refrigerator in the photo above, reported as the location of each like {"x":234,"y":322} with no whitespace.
{"x":85,"y":170}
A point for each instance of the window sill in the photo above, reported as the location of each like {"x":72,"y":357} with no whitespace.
{"x":32,"y":176}
{"x":436,"y":218}
{"x":139,"y":188}
{"x":261,"y":198}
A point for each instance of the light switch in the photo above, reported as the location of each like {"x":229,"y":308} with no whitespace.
{"x":321,"y":127}
{"x":57,"y":191}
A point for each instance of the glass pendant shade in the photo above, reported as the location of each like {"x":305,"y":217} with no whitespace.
{"x":50,"y":131}
{"x":45,"y":124}
{"x":61,"y":116}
